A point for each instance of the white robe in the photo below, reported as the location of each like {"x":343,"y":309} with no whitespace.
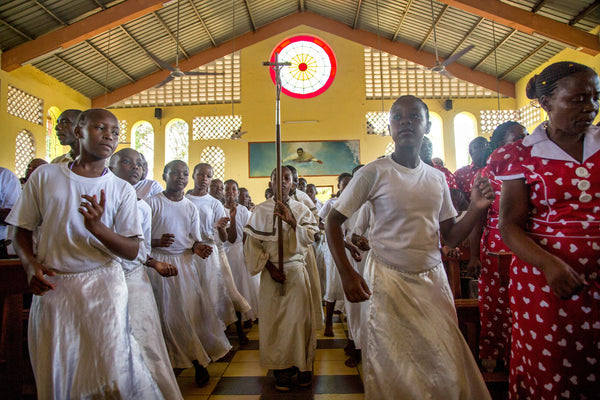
{"x":191,"y":328}
{"x":215,"y":270}
{"x":414,"y":348}
{"x":84,"y":321}
{"x":245,"y":283}
{"x":287,"y":322}
{"x":143,"y":313}
{"x":311,"y":260}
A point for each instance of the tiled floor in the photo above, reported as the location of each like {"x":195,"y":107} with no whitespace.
{"x":239,"y":375}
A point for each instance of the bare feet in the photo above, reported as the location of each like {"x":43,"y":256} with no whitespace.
{"x":328,"y":331}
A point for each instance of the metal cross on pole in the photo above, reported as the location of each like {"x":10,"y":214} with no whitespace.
{"x":276,"y":66}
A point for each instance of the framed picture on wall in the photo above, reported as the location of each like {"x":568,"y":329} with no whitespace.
{"x":310,"y":158}
{"x":324,"y":193}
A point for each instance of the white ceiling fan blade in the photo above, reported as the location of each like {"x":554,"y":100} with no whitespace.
{"x":457,"y":55}
{"x":445,"y":73}
{"x":163,"y":83}
{"x":160,"y":62}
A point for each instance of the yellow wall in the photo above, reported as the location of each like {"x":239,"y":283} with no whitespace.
{"x":340,"y":112}
{"x":37,"y":83}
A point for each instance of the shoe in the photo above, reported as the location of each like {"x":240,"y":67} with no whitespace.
{"x":283,"y":380}
{"x":202,"y":377}
{"x":304,"y":378}
{"x":248,"y":324}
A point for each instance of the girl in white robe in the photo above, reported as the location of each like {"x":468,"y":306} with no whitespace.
{"x":143,"y":313}
{"x":287,"y":312}
{"x":192,"y":331}
{"x":80,"y":339}
{"x":214,"y":270}
{"x":234,"y":248}
{"x":414,"y":348}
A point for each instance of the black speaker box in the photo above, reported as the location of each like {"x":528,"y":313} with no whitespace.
{"x":158,"y":113}
{"x":448,"y":105}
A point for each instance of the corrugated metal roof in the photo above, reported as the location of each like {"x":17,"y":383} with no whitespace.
{"x":205,"y":23}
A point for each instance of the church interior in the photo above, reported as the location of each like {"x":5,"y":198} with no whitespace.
{"x":132,"y":56}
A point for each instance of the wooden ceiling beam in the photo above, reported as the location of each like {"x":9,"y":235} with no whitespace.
{"x":250,"y":16}
{"x":78,"y":32}
{"x":210,"y":37}
{"x":530,"y":23}
{"x":584,"y":12}
{"x":324,"y":24}
{"x":357,"y":14}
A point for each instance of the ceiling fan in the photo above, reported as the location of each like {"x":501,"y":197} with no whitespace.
{"x":440,"y":66}
{"x":175,"y":71}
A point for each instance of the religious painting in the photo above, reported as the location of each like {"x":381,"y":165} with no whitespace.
{"x":310,"y":158}
{"x":324,"y":193}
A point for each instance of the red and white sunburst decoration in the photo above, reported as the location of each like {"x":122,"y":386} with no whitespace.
{"x":313,"y":66}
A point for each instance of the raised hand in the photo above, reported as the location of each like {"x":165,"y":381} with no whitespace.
{"x":222,"y":222}
{"x":284,"y":213}
{"x":92,"y":210}
{"x":361,"y":242}
{"x":354,"y":251}
{"x":232,"y":212}
{"x":202,"y":250}
{"x":166,"y":240}
{"x":482,"y":193}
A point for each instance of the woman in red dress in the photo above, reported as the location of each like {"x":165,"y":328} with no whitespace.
{"x":549,"y":218}
{"x":494,"y":306}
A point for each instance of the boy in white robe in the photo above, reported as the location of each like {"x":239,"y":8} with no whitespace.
{"x":80,"y":340}
{"x":145,"y":321}
{"x":287,"y":319}
{"x":414,"y":348}
{"x":234,"y":249}
{"x":193,"y":333}
{"x":215,"y":270}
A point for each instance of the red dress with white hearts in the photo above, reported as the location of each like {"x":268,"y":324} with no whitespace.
{"x":494,"y":306}
{"x":555,"y":351}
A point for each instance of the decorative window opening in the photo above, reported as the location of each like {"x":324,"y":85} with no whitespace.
{"x":123,"y":131}
{"x":192,"y":90}
{"x":529,"y":115}
{"x":178,"y":140}
{"x":53,"y":146}
{"x":142,"y":140}
{"x":24,"y":105}
{"x":216,"y":158}
{"x":216,"y":127}
{"x":377,"y":123}
{"x":389,"y":149}
{"x":388,"y":76}
{"x":490,"y":119}
{"x":465,"y":130}
{"x":24,"y":151}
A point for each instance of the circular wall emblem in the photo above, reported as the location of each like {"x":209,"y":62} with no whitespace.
{"x":313,"y":66}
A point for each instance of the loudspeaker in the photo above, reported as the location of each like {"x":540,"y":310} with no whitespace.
{"x":448,"y":105}
{"x":158,"y":113}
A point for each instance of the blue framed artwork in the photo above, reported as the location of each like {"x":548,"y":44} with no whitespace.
{"x":311,"y":158}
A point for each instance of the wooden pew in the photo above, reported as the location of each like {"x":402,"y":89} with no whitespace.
{"x":15,"y":369}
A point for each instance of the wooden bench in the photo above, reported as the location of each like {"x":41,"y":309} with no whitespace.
{"x":15,"y":369}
